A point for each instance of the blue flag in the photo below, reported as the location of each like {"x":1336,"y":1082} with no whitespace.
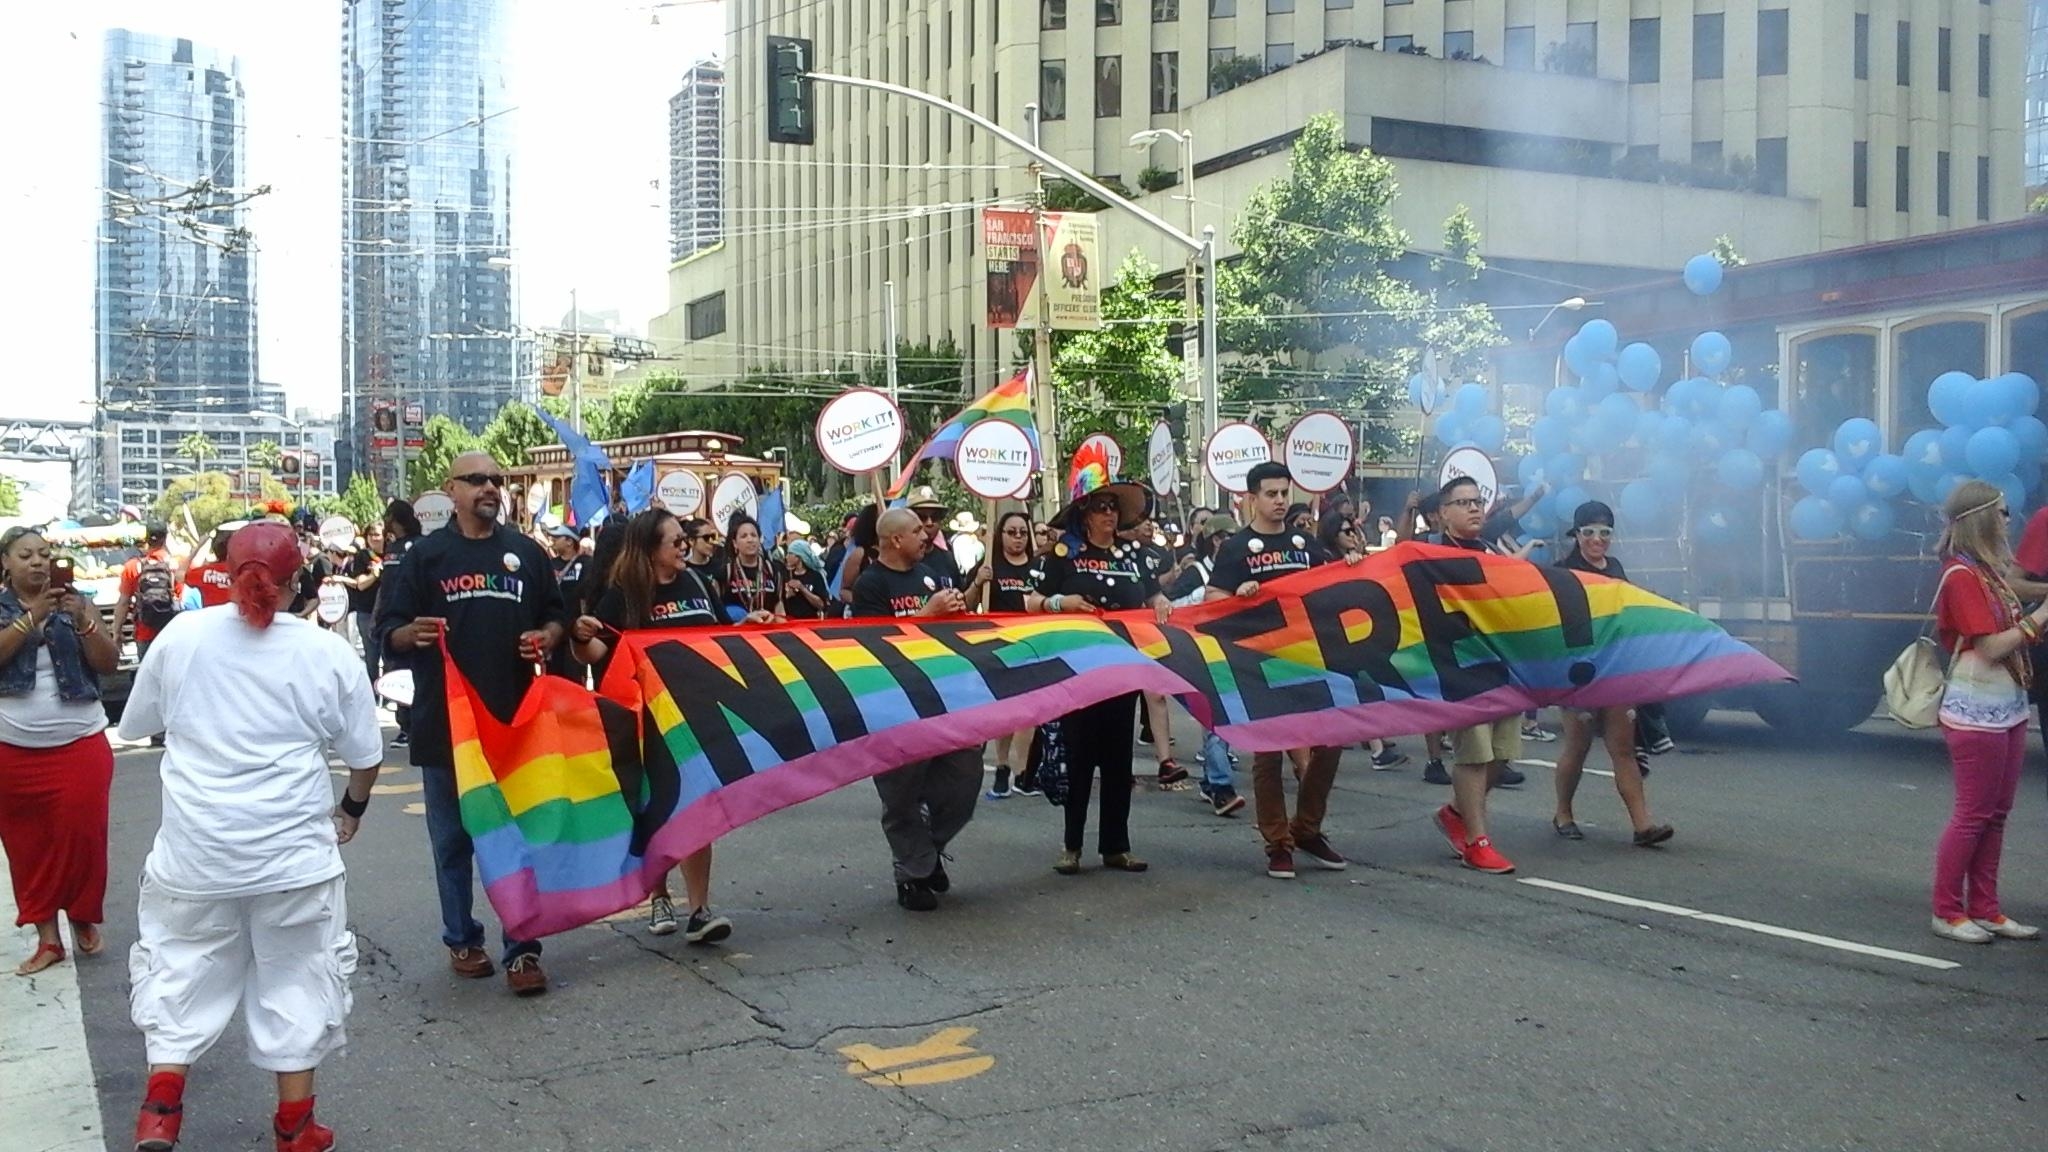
{"x":588,"y":494}
{"x":773,"y":519}
{"x":637,"y":489}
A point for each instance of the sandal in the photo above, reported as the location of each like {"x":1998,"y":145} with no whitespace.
{"x":1654,"y":835}
{"x":1569,"y":830}
{"x":37,"y":962}
{"x":1123,"y":862}
{"x":88,"y":939}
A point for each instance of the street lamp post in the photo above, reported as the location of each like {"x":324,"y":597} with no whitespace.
{"x":1184,"y":142}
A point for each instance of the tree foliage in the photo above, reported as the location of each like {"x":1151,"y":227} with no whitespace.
{"x":10,"y":496}
{"x":1725,"y":253}
{"x":445,"y":440}
{"x":517,"y":428}
{"x":1119,"y":378}
{"x":197,"y":448}
{"x":265,"y":454}
{"x":210,"y":498}
{"x":359,"y":502}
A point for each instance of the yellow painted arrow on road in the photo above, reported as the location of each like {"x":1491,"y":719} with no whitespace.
{"x":939,"y":1059}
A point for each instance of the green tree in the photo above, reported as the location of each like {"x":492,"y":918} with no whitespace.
{"x":265,"y":454}
{"x":359,"y":502}
{"x":1233,"y":72}
{"x":1724,"y":251}
{"x":517,"y":428}
{"x":1118,"y":378}
{"x":1320,"y":310}
{"x":198,"y":449}
{"x":210,"y":498}
{"x":1064,"y":196}
{"x":10,"y":496}
{"x":445,"y":440}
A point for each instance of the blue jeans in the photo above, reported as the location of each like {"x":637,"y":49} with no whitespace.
{"x":1216,"y":765}
{"x":454,"y":867}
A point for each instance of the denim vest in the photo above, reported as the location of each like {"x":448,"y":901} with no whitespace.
{"x":75,"y":681}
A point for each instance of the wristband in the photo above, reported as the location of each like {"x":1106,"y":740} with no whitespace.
{"x":353,"y":809}
{"x":1055,"y":603}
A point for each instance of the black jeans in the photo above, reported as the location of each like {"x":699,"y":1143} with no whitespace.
{"x":1098,"y":739}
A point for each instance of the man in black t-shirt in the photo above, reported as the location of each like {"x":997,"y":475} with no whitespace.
{"x":931,"y":513}
{"x":565,"y":546}
{"x":1267,"y":549}
{"x":924,"y":804}
{"x":489,"y":593}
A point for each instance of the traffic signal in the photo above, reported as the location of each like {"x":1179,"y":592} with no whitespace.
{"x":789,"y":91}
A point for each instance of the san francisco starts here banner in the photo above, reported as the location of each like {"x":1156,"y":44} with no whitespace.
{"x":581,"y":802}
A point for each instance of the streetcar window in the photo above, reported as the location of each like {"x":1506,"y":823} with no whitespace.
{"x":1834,"y":378}
{"x":1921,"y":354}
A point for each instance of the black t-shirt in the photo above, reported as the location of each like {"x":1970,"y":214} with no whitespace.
{"x":1009,"y":583}
{"x":1578,"y":563}
{"x":1450,"y":541}
{"x":880,"y":590}
{"x":684,"y":602}
{"x":1110,"y":578}
{"x":1263,"y":556}
{"x":569,"y":576}
{"x":489,"y":591}
{"x":314,"y":574}
{"x":941,"y":562}
{"x":796,"y":607}
{"x":755,"y":589}
{"x":359,"y":566}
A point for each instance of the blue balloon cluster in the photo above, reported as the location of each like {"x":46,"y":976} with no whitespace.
{"x":1990,"y":433}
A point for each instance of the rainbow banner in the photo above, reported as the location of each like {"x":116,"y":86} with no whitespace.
{"x":1010,"y":400}
{"x":577,"y":809}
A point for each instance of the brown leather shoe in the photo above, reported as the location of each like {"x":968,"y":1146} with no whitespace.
{"x":526,"y":977}
{"x":471,"y":963}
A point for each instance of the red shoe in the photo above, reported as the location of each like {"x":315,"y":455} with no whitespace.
{"x":1453,"y":827}
{"x":1480,"y":857}
{"x":309,"y":1136}
{"x":163,"y":1112}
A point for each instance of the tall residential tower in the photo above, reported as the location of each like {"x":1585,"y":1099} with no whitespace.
{"x":696,"y":196}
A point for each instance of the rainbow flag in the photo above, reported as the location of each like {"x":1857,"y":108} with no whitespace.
{"x":1010,"y":400}
{"x":575,"y":819}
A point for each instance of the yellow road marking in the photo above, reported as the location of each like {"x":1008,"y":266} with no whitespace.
{"x":941,"y":1058}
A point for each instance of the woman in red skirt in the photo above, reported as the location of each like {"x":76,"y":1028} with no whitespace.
{"x":55,"y":765}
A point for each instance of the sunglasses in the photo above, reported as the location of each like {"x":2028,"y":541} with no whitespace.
{"x":1596,"y":532}
{"x":479,"y":479}
{"x":1016,"y":532}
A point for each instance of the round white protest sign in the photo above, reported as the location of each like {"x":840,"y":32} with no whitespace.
{"x":680,"y":491}
{"x":434,"y":509}
{"x":396,"y":686}
{"x":1469,"y":461}
{"x":1162,"y":460}
{"x":860,"y":430}
{"x":994,"y":459}
{"x":337,"y":534}
{"x":1234,"y":449}
{"x":1111,"y":450}
{"x":1319,"y":450}
{"x":735,"y":493}
{"x":333,"y":604}
{"x":536,"y":498}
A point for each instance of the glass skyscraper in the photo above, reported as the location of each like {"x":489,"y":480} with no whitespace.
{"x":2037,"y":95}
{"x":174,"y":293}
{"x":426,"y":243}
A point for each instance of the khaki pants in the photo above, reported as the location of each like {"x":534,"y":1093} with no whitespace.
{"x":1311,"y":798}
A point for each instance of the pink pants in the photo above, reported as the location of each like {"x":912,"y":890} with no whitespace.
{"x":1987,"y":771}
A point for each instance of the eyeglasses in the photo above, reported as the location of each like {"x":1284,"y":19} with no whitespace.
{"x":1099,"y":506}
{"x":930,"y":517}
{"x":705,"y":536}
{"x":1596,"y":532}
{"x":479,"y":479}
{"x":1465,"y":502}
{"x":1015,"y":532}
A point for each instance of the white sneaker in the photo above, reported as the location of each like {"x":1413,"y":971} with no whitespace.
{"x":1961,"y":931}
{"x":2009,"y":928}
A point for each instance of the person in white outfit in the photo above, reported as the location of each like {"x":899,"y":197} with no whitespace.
{"x":243,"y":900}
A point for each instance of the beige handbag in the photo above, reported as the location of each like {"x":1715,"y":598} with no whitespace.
{"x":1914,"y":684}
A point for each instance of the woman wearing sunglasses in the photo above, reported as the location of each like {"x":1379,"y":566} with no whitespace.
{"x":653,"y":585}
{"x":1006,"y":573}
{"x":1592,"y":537}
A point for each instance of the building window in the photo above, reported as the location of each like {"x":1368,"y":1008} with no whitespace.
{"x":1165,"y":82}
{"x":1859,"y":175}
{"x":1108,"y":12}
{"x":1862,"y":46}
{"x":1645,"y":50}
{"x":1905,"y":52}
{"x":1902,"y":179}
{"x":1218,"y":57}
{"x":1773,"y":41}
{"x":1943,"y":40}
{"x":1279,"y":55}
{"x":1052,"y":89}
{"x":1109,"y":87}
{"x":1582,"y":49}
{"x":1984,"y":67}
{"x":1458,"y":46}
{"x":1279,"y":7}
{"x":1770,"y":165}
{"x":1052,"y":14}
{"x":1332,"y":4}
{"x":705,"y":317}
{"x":1165,"y":11}
{"x":1706,"y":46}
{"x":1390,"y":44}
{"x":1983,"y":187}
{"x":1706,"y":153}
{"x":1218,"y":9}
{"x":1941,"y":184}
{"x":1518,"y":50}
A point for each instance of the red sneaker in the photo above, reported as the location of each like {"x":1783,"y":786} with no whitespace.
{"x":309,"y":1136}
{"x":1453,"y":827}
{"x":1480,"y":857}
{"x":156,"y":1128}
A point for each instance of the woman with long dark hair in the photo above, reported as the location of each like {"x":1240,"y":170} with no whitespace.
{"x":55,"y":763}
{"x":402,"y":530}
{"x":753,"y":595}
{"x":653,"y":586}
{"x":1006,"y":572}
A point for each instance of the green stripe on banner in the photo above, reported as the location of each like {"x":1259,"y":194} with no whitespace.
{"x":550,"y":822}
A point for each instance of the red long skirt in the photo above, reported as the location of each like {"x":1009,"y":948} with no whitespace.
{"x":53,"y":823}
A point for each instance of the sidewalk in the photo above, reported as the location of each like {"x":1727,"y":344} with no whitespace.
{"x":47,"y":1102}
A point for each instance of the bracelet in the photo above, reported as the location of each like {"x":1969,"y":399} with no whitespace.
{"x":353,"y":809}
{"x":1055,"y":603}
{"x":21,"y":622}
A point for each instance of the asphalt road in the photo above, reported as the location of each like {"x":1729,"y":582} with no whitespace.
{"x":1405,"y":1003}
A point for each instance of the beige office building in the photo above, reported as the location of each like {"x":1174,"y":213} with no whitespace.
{"x":1591,"y":139}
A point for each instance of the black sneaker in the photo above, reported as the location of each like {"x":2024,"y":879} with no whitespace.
{"x":1388,"y":759}
{"x":1025,"y":784}
{"x":1226,"y":802}
{"x":938,"y":881}
{"x":1662,"y":745}
{"x":917,"y":895}
{"x":706,"y":928}
{"x":1433,"y":772}
{"x":401,"y":740}
{"x":1510,"y":777}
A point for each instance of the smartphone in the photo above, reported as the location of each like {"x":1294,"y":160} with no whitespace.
{"x":62,"y":574}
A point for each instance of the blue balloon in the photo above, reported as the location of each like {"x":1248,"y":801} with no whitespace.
{"x":1715,"y":526}
{"x":1701,"y":399}
{"x":1740,"y":469}
{"x":1564,"y":471}
{"x":1817,"y":470}
{"x":1469,"y":400}
{"x":1739,"y":405}
{"x":2026,"y":394}
{"x":1529,"y":471}
{"x":1711,"y":353}
{"x":1603,"y":432}
{"x":1847,"y":492}
{"x":1642,"y":506}
{"x":1580,"y":356}
{"x":1703,"y":274}
{"x":1539,"y":523}
{"x":1649,"y":425}
{"x":1569,"y":499}
{"x":2032,"y":434}
{"x":1551,"y":435}
{"x":2015,"y":493}
{"x":1770,"y":434}
{"x":1814,"y":519}
{"x":1567,"y":404}
{"x":1947,"y":397}
{"x":1488,"y":432}
{"x":1670,"y":472}
{"x":1985,"y":405}
{"x":1450,"y":431}
{"x":1675,"y":436}
{"x":2029,"y":473}
{"x":1858,"y":442}
{"x":1955,"y":445}
{"x":1923,"y":450}
{"x":1600,"y":337}
{"x":1992,"y":452}
{"x":1873,"y":521}
{"x":1886,"y":476}
{"x":1639,"y":367}
{"x":1711,"y":438}
{"x":1946,"y":486}
{"x":1922,"y":483}
{"x":1604,"y":381}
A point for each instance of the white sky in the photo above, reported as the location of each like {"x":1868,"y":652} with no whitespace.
{"x":591,"y":81}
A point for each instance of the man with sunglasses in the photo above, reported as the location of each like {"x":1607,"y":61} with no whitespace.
{"x":489,"y":593}
{"x":931,"y":513}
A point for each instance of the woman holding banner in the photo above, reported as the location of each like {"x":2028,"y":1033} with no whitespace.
{"x":654,"y":586}
{"x":1100,"y":575}
{"x":1008,"y":573}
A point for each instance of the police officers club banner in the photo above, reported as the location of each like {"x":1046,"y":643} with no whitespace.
{"x":582,"y":802}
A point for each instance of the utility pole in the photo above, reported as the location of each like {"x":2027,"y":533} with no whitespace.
{"x":1044,"y":405}
{"x":889,"y":352}
{"x":575,"y":364}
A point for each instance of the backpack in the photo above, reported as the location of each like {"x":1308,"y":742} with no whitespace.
{"x":1916,"y":680}
{"x":156,"y":594}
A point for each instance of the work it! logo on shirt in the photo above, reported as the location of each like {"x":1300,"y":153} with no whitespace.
{"x":483,"y":586}
{"x":666,"y":610}
{"x":1268,"y":556}
{"x":906,"y":605}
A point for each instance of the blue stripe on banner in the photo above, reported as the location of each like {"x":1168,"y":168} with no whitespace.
{"x":556,"y":867}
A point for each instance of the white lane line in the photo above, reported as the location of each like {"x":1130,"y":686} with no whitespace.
{"x":47,"y":1100}
{"x":1839,"y":945}
{"x":1589,"y":769}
